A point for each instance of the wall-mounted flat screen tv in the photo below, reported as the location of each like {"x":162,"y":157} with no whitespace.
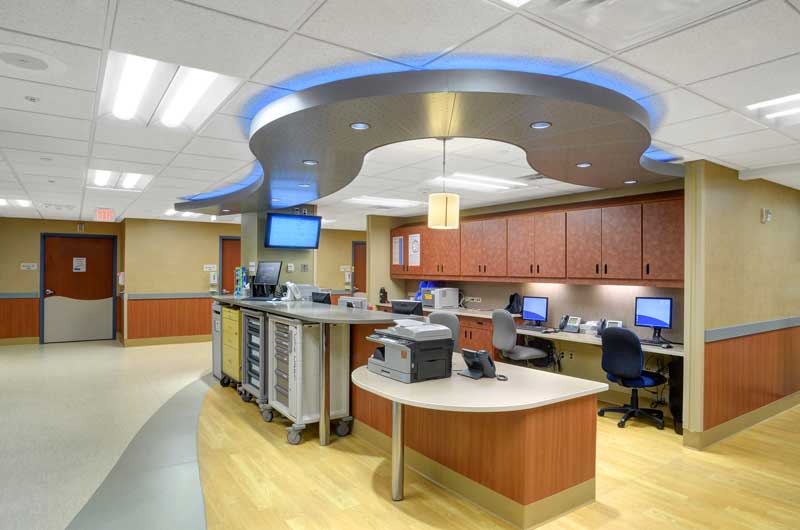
{"x":292,"y":231}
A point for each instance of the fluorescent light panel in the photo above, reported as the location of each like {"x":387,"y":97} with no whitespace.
{"x":170,"y":212}
{"x":515,"y":3}
{"x":468,"y":184}
{"x":488,"y":180}
{"x":382,"y":201}
{"x":135,"y":77}
{"x":773,"y":102}
{"x":101,"y":177}
{"x":3,"y":202}
{"x":192,"y":87}
{"x":780,"y":114}
{"x":25,"y":203}
{"x":129,"y":180}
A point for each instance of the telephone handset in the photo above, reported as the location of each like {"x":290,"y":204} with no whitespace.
{"x":601,"y":327}
{"x":293,"y":291}
{"x":570,"y":324}
{"x":480,"y":364}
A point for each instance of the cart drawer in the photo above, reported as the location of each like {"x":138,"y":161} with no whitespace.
{"x":254,"y":380}
{"x":282,"y":363}
{"x":282,"y":395}
{"x":281,"y":379}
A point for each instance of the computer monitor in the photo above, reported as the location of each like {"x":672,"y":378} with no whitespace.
{"x":407,"y":307}
{"x":268,"y":273}
{"x":653,"y":313}
{"x":292,"y":231}
{"x":534,"y":308}
{"x":321,"y":298}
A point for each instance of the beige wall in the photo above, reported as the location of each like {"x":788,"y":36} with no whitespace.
{"x":752,"y":270}
{"x":168,"y":256}
{"x":20,"y":242}
{"x":379,"y":244}
{"x":335,"y":250}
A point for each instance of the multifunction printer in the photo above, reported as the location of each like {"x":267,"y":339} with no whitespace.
{"x":412,"y":351}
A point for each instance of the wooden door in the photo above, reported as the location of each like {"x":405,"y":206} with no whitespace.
{"x":230,"y":259}
{"x":662,"y":240}
{"x":584,"y":243}
{"x":398,"y":251}
{"x":472,"y":248}
{"x":550,"y":245}
{"x":519,"y":245}
{"x":494,"y":247}
{"x":622,"y":242}
{"x":78,"y":290}
{"x":448,"y":251}
{"x":359,"y":267}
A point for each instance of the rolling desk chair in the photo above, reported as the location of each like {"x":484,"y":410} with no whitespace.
{"x":504,"y":338}
{"x":623,"y":363}
{"x":451,"y":321}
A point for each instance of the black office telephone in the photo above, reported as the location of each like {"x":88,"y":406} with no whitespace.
{"x":570,"y":323}
{"x":601,"y":327}
{"x":479,"y":364}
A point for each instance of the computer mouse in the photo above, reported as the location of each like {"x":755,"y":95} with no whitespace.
{"x":666,"y":346}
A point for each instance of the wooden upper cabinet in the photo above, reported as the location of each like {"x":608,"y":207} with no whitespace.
{"x":584,"y":244}
{"x":471,"y":248}
{"x":550,"y":245}
{"x":519,"y":252}
{"x":483,"y":247}
{"x":622,"y":242}
{"x":662,"y":240}
{"x":441,"y":255}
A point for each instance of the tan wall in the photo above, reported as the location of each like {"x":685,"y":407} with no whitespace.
{"x":379,"y":244}
{"x":168,"y":256}
{"x":20,"y":242}
{"x":335,"y":250}
{"x":751,"y":269}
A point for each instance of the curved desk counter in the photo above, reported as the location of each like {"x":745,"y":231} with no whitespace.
{"x":530,"y":439}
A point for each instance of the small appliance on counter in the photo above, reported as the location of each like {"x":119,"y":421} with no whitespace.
{"x":440,"y":297}
{"x":356,"y":302}
{"x":412,"y":351}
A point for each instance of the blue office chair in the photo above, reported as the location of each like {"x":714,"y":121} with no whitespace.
{"x":623,"y":363}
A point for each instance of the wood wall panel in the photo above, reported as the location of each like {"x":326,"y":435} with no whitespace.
{"x":19,"y":317}
{"x":169,"y":317}
{"x":364,"y":406}
{"x":120,"y":313}
{"x":745,"y":373}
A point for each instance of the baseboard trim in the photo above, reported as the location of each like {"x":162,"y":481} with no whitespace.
{"x":705,"y":439}
{"x":154,"y":341}
{"x":16,"y":341}
{"x":521,"y":516}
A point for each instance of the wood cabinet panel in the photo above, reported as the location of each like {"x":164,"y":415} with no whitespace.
{"x":550,"y":245}
{"x":622,"y":242}
{"x":494,"y":247}
{"x":171,"y":317}
{"x":19,"y":317}
{"x":448,"y":250}
{"x":519,"y":245}
{"x":471,"y":247}
{"x":412,"y":231}
{"x":584,"y":243}
{"x":662,"y":240}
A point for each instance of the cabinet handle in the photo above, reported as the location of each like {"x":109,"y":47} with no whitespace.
{"x":537,"y":268}
{"x":605,"y":268}
{"x":647,"y":269}
{"x":597,"y":268}
{"x":531,"y":268}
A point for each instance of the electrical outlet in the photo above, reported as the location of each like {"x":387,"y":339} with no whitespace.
{"x":474,"y":299}
{"x":571,"y":355}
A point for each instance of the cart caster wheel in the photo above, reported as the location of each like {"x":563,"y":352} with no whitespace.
{"x":225,"y":381}
{"x":342,"y":429}
{"x":247,"y":398}
{"x":601,"y":413}
{"x":294,"y":437}
{"x":660,"y":426}
{"x":621,"y":424}
{"x":267,"y":415}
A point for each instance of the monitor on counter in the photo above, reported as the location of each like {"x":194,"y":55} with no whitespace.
{"x":534,"y":308}
{"x":268,"y":273}
{"x":292,"y":231}
{"x":653,"y":313}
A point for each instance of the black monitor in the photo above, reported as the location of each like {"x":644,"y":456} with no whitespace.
{"x":407,"y":307}
{"x":321,"y":298}
{"x":534,"y":308}
{"x":292,"y":231}
{"x":652,"y":312}
{"x":268,"y":273}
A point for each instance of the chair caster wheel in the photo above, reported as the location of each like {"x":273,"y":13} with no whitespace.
{"x":247,"y":398}
{"x":342,"y":429}
{"x":660,"y":426}
{"x":621,"y":424}
{"x":601,"y":413}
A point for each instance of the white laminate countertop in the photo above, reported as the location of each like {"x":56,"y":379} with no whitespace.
{"x":314,"y":312}
{"x":589,"y":338}
{"x":526,"y":388}
{"x":462,"y":312}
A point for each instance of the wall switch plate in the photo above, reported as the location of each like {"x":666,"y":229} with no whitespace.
{"x":290,"y":267}
{"x":475,"y":299}
{"x":304,"y":267}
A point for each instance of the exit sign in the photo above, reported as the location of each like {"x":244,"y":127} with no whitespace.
{"x":104,"y":214}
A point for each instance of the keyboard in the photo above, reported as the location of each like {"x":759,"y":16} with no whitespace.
{"x":531,"y":327}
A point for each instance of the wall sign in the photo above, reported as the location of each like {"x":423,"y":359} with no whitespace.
{"x":251,"y":267}
{"x":210,"y":267}
{"x":78,"y":264}
{"x":28,"y":266}
{"x":397,"y":250}
{"x":413,"y":250}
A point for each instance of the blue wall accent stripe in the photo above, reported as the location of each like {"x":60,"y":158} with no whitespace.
{"x":156,"y":296}
{"x":19,"y":295}
{"x":752,"y":328}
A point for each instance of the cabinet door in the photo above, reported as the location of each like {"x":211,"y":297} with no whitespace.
{"x":415,"y":244}
{"x":449,"y":251}
{"x":662,"y":240}
{"x":622,"y":242}
{"x":494,"y":247}
{"x":482,"y":339}
{"x":471,"y":248}
{"x":519,"y":251}
{"x":400,"y":267}
{"x":550,"y":245}
{"x":431,"y":252}
{"x":584,"y":246}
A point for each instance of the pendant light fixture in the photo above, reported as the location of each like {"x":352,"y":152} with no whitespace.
{"x":443,"y":208}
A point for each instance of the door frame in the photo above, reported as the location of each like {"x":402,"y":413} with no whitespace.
{"x":42,"y":261}
{"x":219,"y":267}
{"x":353,"y":265}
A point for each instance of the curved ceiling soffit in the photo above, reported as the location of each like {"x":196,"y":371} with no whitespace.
{"x":589,"y":124}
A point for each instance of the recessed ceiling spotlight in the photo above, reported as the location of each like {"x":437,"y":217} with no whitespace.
{"x":32,"y":99}
{"x":21,"y":60}
{"x":541,"y":125}
{"x":310,"y":162}
{"x":225,"y":211}
{"x":631,"y":181}
{"x":583,"y":164}
{"x":304,"y":185}
{"x":359,"y":126}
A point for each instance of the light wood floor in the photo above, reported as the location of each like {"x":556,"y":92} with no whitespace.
{"x":252,"y":479}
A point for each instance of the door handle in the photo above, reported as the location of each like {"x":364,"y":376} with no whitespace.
{"x":537,"y":268}
{"x":48,"y":292}
{"x":531,"y":268}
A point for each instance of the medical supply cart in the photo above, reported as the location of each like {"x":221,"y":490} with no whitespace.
{"x":231,"y":346}
{"x":216,"y":340}
{"x":254,"y":359}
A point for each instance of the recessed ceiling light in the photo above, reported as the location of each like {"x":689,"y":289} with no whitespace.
{"x":787,"y":112}
{"x":194,"y":85}
{"x":170,"y":212}
{"x":359,"y":126}
{"x":516,"y":3}
{"x":3,"y":202}
{"x":583,"y":164}
{"x":225,"y":211}
{"x":631,"y":181}
{"x":773,"y":102}
{"x":304,"y":185}
{"x":32,"y":99}
{"x":130,"y":180}
{"x":310,"y":162}
{"x":25,"y":203}
{"x":101,"y":177}
{"x":135,"y":77}
{"x":541,"y":125}
{"x":383,"y":201}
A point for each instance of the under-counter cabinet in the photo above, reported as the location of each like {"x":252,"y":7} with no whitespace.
{"x":483,"y":247}
{"x":662,"y":240}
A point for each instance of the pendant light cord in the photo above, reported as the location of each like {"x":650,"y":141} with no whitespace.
{"x":444,"y":162}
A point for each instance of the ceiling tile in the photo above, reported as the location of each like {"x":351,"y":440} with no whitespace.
{"x":251,"y":98}
{"x":195,"y":174}
{"x":205,"y":162}
{"x":52,"y":185}
{"x":623,"y":78}
{"x":280,"y":13}
{"x":11,"y":189}
{"x":706,"y":128}
{"x":227,"y":127}
{"x":220,"y":148}
{"x":760,"y":32}
{"x":113,"y":131}
{"x":66,"y":64}
{"x":43,"y":143}
{"x":42,"y":163}
{"x":678,"y":105}
{"x":131,"y":154}
{"x":768,"y":157}
{"x":176,"y":187}
{"x":189,"y":35}
{"x":741,"y":143}
{"x":56,"y":100}
{"x":86,"y":19}
{"x":124,"y":166}
{"x":412,"y":31}
{"x":488,"y":150}
{"x":454,"y":163}
{"x":303,"y":62}
{"x":510,"y":46}
{"x":44,"y":124}
{"x":506,"y":171}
